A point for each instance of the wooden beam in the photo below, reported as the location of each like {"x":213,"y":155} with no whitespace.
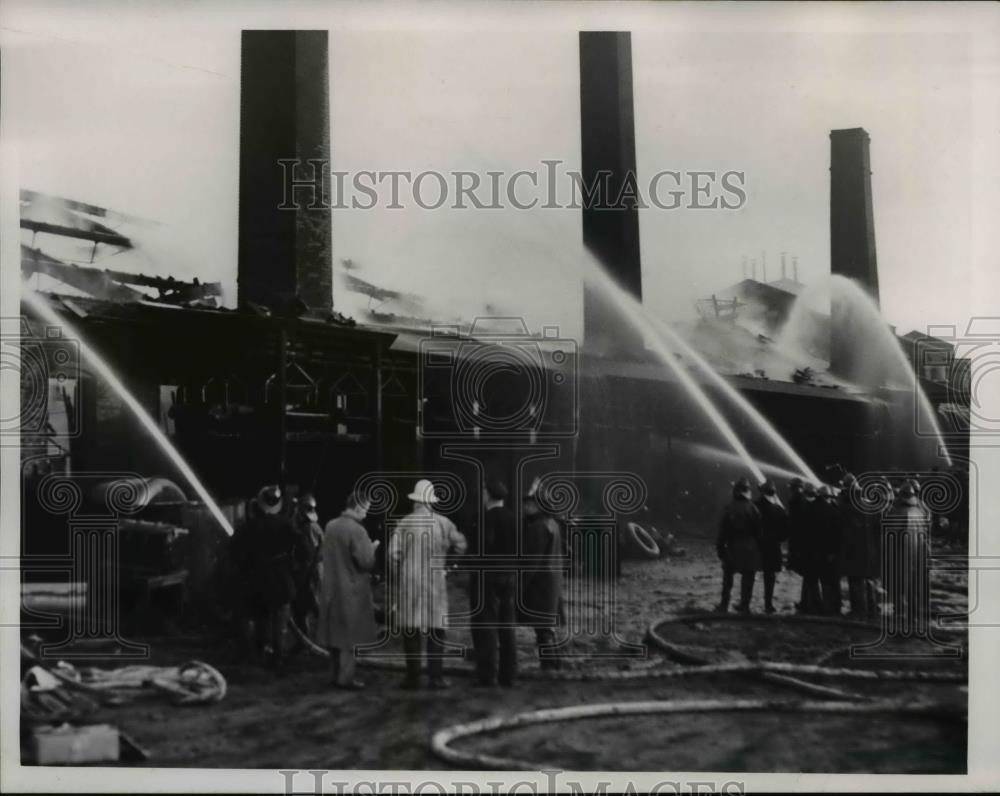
{"x":94,"y":232}
{"x":91,"y":281}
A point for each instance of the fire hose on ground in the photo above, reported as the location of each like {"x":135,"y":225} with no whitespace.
{"x":783,"y":672}
{"x":442,"y":739}
{"x":779,"y":673}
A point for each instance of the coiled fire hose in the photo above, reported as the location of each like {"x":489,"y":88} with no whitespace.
{"x":442,"y":739}
{"x":779,"y":673}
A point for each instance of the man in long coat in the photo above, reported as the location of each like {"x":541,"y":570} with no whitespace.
{"x":774,"y":531}
{"x":418,"y":549}
{"x":541,"y":579}
{"x":737,"y":545}
{"x":346,"y":611}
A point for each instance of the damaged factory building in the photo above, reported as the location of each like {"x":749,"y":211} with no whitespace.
{"x":285,"y":389}
{"x":153,"y":413}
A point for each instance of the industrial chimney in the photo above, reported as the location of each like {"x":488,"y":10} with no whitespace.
{"x":610,"y":232}
{"x":285,"y":232}
{"x":852,"y":232}
{"x":852,"y":225}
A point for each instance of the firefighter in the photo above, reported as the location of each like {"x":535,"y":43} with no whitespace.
{"x":829,"y":534}
{"x":858,"y":559}
{"x":307,"y":563}
{"x":540,"y":594}
{"x":794,"y":510}
{"x":495,"y":592}
{"x":774,"y":531}
{"x":805,"y":559}
{"x":419,"y":539}
{"x":270,"y":543}
{"x":738,"y":545}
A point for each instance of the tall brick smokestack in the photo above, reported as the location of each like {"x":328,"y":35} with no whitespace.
{"x":285,"y":254}
{"x":852,"y":232}
{"x":610,"y":233}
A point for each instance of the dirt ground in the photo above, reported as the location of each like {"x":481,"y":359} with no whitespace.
{"x":298,"y":721}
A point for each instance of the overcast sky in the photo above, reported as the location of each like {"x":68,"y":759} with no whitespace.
{"x":136,"y":108}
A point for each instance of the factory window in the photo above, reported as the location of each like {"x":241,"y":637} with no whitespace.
{"x":169,"y":398}
{"x":938,"y":373}
{"x":935,"y":363}
{"x":61,"y":416}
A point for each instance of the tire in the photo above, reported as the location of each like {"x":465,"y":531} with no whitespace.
{"x":640,"y":543}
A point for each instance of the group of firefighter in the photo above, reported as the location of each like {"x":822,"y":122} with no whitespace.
{"x":293,"y":574}
{"x":317,"y":582}
{"x":832,"y":534}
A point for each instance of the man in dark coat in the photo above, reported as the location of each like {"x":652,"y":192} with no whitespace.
{"x":805,"y":556}
{"x":269,"y":545}
{"x":494,"y":591}
{"x":774,"y":531}
{"x":738,"y":545}
{"x":794,"y":506}
{"x":829,"y":535}
{"x":541,"y":579}
{"x":860,"y":530}
{"x":242,"y":592}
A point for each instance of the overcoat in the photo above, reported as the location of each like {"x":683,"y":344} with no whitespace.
{"x":861,"y":540}
{"x":346,"y":610}
{"x":774,"y":520}
{"x":797,"y":530}
{"x":268,"y":544}
{"x":417,"y":553}
{"x":739,"y":536}
{"x":542,"y":572}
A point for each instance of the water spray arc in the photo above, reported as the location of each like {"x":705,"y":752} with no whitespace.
{"x":849,"y":294}
{"x":41,"y":306}
{"x":734,"y":395}
{"x":639,"y":319}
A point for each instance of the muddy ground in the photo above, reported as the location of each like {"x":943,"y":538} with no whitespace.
{"x":298,"y":721}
